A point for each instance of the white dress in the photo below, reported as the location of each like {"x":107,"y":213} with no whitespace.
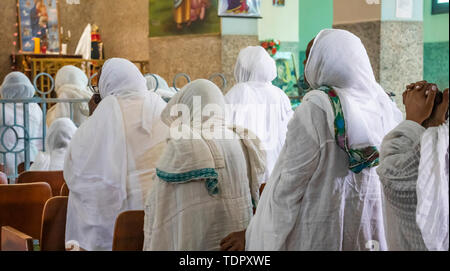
{"x":312,"y":200}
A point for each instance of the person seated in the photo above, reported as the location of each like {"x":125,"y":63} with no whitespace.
{"x":57,"y":141}
{"x":70,"y":83}
{"x":208,"y":177}
{"x":324,"y":194}
{"x":414,"y":168}
{"x":158,"y":85}
{"x":16,"y":85}
{"x":110,"y":163}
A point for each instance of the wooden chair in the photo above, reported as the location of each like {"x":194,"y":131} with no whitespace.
{"x":14,"y":240}
{"x":64,"y":191}
{"x":21,"y":167}
{"x":129,"y":231}
{"x":54,"y":178}
{"x":22,"y":205}
{"x":53,"y":229}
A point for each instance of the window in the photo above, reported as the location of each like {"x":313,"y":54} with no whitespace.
{"x":440,"y":6}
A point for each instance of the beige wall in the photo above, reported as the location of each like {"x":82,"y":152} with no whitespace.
{"x":354,"y":11}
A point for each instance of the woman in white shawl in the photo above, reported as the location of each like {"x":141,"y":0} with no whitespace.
{"x":58,"y":138}
{"x":324,"y":193}
{"x":207,"y":178}
{"x":110,"y":164}
{"x":70,"y":83}
{"x":414,"y":172}
{"x":17,"y":86}
{"x":158,"y":85}
{"x":258,"y":105}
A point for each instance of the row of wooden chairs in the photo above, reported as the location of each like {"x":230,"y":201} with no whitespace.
{"x":36,"y":209}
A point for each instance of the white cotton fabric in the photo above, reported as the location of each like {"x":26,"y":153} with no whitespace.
{"x":184,"y":216}
{"x":17,"y":86}
{"x":256,"y":104}
{"x":339,"y":60}
{"x":58,"y":138}
{"x":398,"y":171}
{"x":84,"y":44}
{"x":312,"y":200}
{"x":70,"y":83}
{"x":432,"y":214}
{"x":163,"y":89}
{"x":110,"y":164}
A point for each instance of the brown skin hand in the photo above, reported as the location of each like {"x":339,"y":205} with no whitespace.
{"x":439,"y":114}
{"x":419,"y":101}
{"x":233,"y":242}
{"x":95,"y":99}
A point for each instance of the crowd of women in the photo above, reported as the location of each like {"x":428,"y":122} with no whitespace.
{"x":243,"y":171}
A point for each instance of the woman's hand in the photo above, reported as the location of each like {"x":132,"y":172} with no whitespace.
{"x":439,"y":115}
{"x":93,"y":103}
{"x":419,"y":101}
{"x":233,"y":242}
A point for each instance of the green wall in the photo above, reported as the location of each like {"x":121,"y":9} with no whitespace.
{"x":314,"y":16}
{"x":435,"y":27}
{"x":436,"y":47}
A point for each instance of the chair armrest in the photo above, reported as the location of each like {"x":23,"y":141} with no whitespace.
{"x":14,"y":240}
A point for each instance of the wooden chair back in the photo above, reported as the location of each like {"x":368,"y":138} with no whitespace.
{"x":64,"y":191}
{"x":21,"y":206}
{"x":53,"y":230}
{"x":129,"y":231}
{"x":14,"y":240}
{"x":21,"y":167}
{"x":54,"y":178}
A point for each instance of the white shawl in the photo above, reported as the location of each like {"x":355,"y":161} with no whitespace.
{"x":432,"y":213}
{"x":58,"y":138}
{"x":70,"y":83}
{"x":254,"y":103}
{"x":106,"y":170}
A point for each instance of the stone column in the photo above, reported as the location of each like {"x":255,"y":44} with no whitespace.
{"x":394,"y":45}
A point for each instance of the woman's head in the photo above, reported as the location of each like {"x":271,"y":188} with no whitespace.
{"x":154,"y":80}
{"x":196,"y":96}
{"x":254,"y":64}
{"x":70,"y":75}
{"x":120,"y":76}
{"x":17,"y":86}
{"x":339,"y":59}
{"x":60,"y":134}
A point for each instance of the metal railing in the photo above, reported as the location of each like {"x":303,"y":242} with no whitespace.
{"x":19,"y":126}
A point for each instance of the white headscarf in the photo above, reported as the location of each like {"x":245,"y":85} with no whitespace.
{"x":254,"y":64}
{"x":339,"y":60}
{"x":17,"y":86}
{"x":58,"y":138}
{"x":432,"y":213}
{"x":120,"y":76}
{"x":258,"y":105}
{"x":99,"y":167}
{"x":163,"y":89}
{"x":71,"y":76}
{"x":70,"y":83}
{"x":200,"y":152}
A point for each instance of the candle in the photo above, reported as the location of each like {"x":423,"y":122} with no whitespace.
{"x":37,"y":45}
{"x":68,"y":34}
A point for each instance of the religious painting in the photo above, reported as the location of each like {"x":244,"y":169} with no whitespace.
{"x":240,"y":8}
{"x":39,"y":27}
{"x":182,"y":17}
{"x":287,"y":76}
{"x":279,"y":3}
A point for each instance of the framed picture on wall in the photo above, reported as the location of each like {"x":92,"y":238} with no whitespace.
{"x":279,"y":3}
{"x":287,"y":76}
{"x":240,"y":8}
{"x":39,"y":26}
{"x":183,"y":17}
